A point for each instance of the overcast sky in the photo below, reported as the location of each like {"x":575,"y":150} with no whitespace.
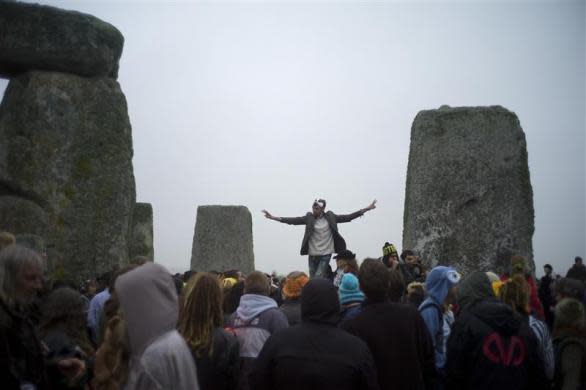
{"x":270,"y":105}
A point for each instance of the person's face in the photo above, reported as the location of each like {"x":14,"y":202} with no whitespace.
{"x":28,"y":282}
{"x":411,"y":259}
{"x":547,"y":270}
{"x":341,"y":263}
{"x":317,"y":211}
{"x":92,"y":287}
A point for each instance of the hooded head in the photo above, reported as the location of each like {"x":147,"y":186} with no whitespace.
{"x":439,"y":281}
{"x":349,"y":290}
{"x":569,"y":318}
{"x":148,"y":301}
{"x":474,"y":288}
{"x":319,"y":302}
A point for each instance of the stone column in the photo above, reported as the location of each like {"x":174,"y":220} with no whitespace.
{"x":222,"y":239}
{"x":468,"y":199}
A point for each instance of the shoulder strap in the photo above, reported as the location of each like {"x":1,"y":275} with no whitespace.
{"x":439,"y":334}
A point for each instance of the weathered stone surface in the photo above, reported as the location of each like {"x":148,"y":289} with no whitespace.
{"x":222,"y":239}
{"x":142,"y":231}
{"x":66,"y":169}
{"x":38,"y":37}
{"x":468,"y":200}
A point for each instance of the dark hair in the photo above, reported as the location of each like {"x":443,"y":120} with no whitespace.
{"x":65,"y":310}
{"x":374,"y":279}
{"x":548,"y":266}
{"x":407,"y":252}
{"x":233,"y":273}
{"x":397,"y":286}
{"x":232,"y":298}
{"x":578,"y":259}
{"x":257,"y":283}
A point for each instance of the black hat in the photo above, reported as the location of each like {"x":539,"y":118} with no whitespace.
{"x":345,"y":254}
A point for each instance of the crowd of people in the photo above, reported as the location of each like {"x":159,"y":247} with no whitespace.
{"x":383,"y":323}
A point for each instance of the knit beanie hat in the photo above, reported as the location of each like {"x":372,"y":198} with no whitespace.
{"x":229,"y":282}
{"x":390,"y":250}
{"x":293,"y":285}
{"x":349,"y":290}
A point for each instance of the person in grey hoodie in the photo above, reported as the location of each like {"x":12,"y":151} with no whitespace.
{"x":255,"y":319}
{"x":159,"y":356}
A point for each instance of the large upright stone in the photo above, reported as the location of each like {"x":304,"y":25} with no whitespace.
{"x":38,"y":37}
{"x":142,"y":231}
{"x":66,"y":169}
{"x":222,"y":239}
{"x":468,"y":200}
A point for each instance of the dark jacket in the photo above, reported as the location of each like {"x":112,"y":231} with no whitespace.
{"x":61,"y":346}
{"x":349,"y":312}
{"x":292,"y":310}
{"x":399,"y":342}
{"x":570,"y":368}
{"x":220,"y":370}
{"x":491,"y":347}
{"x":315,"y":354}
{"x":21,"y":356}
{"x":333,"y":220}
{"x":578,"y":271}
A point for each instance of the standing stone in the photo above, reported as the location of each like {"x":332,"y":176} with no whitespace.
{"x":38,"y":37}
{"x":222,"y":239}
{"x":66,"y":169}
{"x":142,"y":232}
{"x":468,"y":199}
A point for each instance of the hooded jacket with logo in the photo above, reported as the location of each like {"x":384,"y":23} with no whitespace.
{"x":491,"y":347}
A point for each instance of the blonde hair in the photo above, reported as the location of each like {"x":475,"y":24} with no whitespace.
{"x":515,"y":293}
{"x":201,"y":312}
{"x":111,"y":365}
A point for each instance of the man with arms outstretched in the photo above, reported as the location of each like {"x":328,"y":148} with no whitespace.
{"x":321,"y":237}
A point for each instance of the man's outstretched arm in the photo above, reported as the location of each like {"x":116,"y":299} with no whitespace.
{"x":354,"y":215}
{"x":290,"y":221}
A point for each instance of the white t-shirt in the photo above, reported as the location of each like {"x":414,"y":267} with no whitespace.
{"x":321,"y":241}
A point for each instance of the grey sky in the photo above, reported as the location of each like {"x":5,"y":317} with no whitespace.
{"x":270,"y":105}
